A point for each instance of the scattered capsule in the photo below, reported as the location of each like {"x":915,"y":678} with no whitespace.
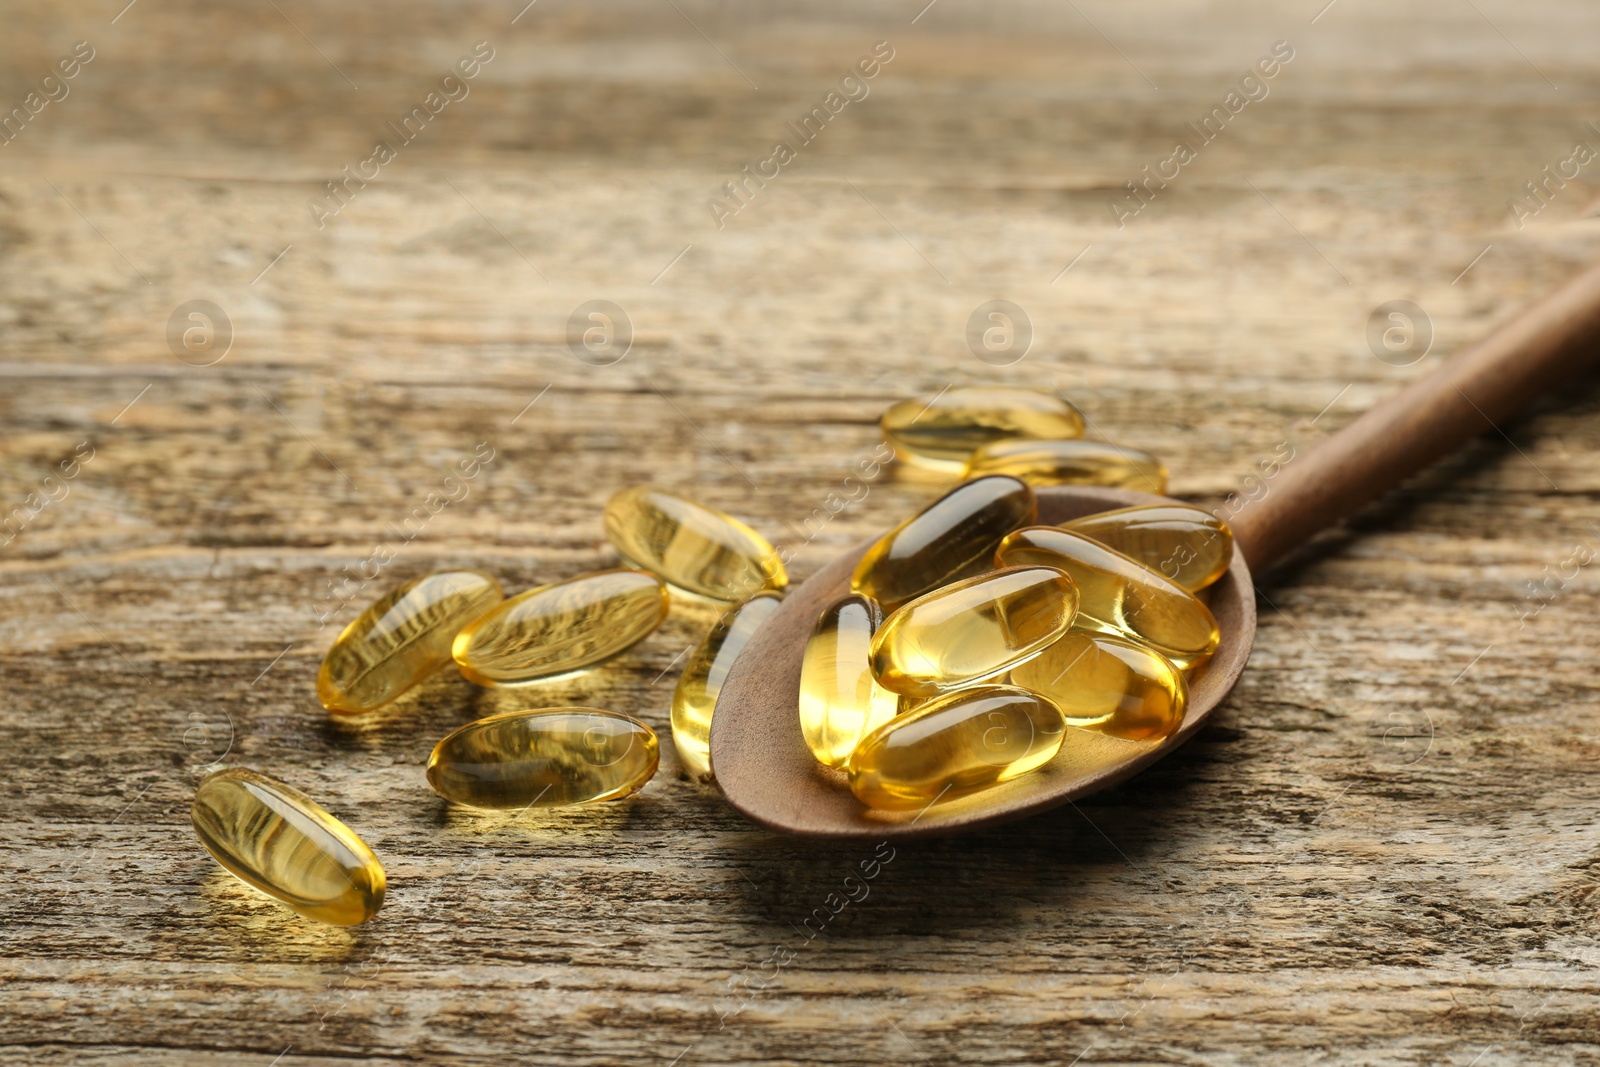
{"x":954,"y":745}
{"x":840,"y":702}
{"x":401,"y":639}
{"x":696,"y":695}
{"x":545,"y":758}
{"x":1071,"y":463}
{"x":941,"y":433}
{"x":1119,"y":594}
{"x":282,"y":842}
{"x":1108,"y":684}
{"x":1187,"y":544}
{"x":954,"y":537}
{"x":562,"y":627}
{"x":696,"y":548}
{"x":972,"y":629}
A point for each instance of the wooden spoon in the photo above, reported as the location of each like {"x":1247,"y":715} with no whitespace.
{"x":767,"y":772}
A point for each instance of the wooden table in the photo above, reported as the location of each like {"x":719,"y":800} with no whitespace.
{"x":1385,"y":848}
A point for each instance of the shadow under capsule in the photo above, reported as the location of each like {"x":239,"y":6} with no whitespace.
{"x":544,"y":825}
{"x":250,"y":924}
{"x":913,"y":474}
{"x":445,"y":701}
{"x":439,"y":703}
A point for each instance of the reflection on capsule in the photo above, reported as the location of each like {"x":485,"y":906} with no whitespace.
{"x":274,"y":837}
{"x":696,"y":695}
{"x":696,"y":548}
{"x":561,"y":627}
{"x":954,"y":745}
{"x":544,"y":758}
{"x":941,"y":433}
{"x":1071,"y":463}
{"x":1109,"y":684}
{"x":972,"y":629}
{"x":954,"y":537}
{"x":401,"y":639}
{"x":840,"y":703}
{"x":1119,"y":594}
{"x":1187,"y":544}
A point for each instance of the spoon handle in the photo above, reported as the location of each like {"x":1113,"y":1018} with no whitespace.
{"x":1472,"y":393}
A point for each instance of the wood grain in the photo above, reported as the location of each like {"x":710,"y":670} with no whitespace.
{"x":1381,"y":850}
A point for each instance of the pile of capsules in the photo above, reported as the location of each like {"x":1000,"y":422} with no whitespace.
{"x":970,"y":640}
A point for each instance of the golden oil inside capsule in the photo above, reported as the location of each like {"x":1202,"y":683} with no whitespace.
{"x":696,"y":548}
{"x":954,"y":745}
{"x":1119,"y":594}
{"x":545,"y":758}
{"x":941,"y":433}
{"x":1186,"y":544}
{"x":696,"y":695}
{"x":401,"y":639}
{"x":283,"y":843}
{"x":561,"y":627}
{"x":840,"y":702}
{"x":1071,"y":463}
{"x":1109,"y":684}
{"x":954,"y":537}
{"x":972,"y":629}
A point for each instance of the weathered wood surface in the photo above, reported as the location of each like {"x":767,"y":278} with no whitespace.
{"x":1383,"y":850}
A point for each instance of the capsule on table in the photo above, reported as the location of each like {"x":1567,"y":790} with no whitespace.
{"x":1071,"y":463}
{"x":545,"y":758}
{"x":1188,"y":545}
{"x":941,"y":433}
{"x":694,"y":547}
{"x":954,"y":537}
{"x":401,"y":639}
{"x":1109,"y":684}
{"x":561,"y":627}
{"x":277,"y":839}
{"x":954,"y":745}
{"x":695,"y":697}
{"x":1119,"y":594}
{"x":972,"y":629}
{"x":840,"y":702}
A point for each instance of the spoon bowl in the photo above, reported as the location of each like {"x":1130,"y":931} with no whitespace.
{"x":766,"y":771}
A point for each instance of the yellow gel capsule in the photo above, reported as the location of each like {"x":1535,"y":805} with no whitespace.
{"x":283,"y":843}
{"x":972,"y":629}
{"x":401,"y":639}
{"x":1071,"y":463}
{"x":695,"y":697}
{"x":941,"y":433}
{"x":562,"y":627}
{"x":696,"y":548}
{"x":551,"y":757}
{"x":954,"y":537}
{"x":957,"y":744}
{"x":1108,"y":684}
{"x":1189,"y":545}
{"x":1118,"y":594}
{"x":840,"y":702}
